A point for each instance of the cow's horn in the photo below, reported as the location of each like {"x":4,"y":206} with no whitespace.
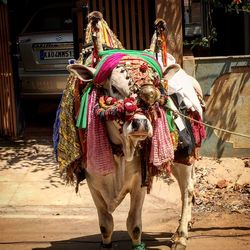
{"x":95,"y":19}
{"x":160,"y":26}
{"x":95,"y":16}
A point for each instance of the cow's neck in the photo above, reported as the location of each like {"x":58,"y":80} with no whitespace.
{"x":126,"y":144}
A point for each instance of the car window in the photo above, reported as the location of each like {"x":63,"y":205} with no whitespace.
{"x":51,"y":20}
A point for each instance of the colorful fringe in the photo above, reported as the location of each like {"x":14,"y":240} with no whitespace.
{"x":69,"y":149}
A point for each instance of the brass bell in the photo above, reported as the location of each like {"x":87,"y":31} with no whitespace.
{"x":149,"y":93}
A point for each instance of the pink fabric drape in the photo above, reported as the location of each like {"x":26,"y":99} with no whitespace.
{"x":162,"y":150}
{"x":105,"y":69}
{"x":99,"y":153}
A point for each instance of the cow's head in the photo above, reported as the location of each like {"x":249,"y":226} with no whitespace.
{"x":129,"y":97}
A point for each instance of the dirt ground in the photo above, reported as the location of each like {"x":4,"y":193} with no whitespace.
{"x":221,"y":212}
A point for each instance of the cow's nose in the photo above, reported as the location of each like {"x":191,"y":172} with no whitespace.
{"x":139,"y":124}
{"x":135,"y":124}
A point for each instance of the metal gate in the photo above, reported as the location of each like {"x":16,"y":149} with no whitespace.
{"x":7,"y":97}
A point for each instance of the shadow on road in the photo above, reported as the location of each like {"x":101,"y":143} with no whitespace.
{"x":121,"y":241}
{"x":34,"y":154}
{"x":219,"y":228}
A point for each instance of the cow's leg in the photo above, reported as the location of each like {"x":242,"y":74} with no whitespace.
{"x":106,"y":222}
{"x":134,"y":220}
{"x":186,"y":179}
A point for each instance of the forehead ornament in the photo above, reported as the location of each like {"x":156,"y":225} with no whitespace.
{"x":149,"y":93}
{"x":143,"y":67}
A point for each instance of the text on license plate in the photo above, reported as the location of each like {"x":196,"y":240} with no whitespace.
{"x":56,"y":54}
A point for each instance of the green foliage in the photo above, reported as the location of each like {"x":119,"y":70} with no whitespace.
{"x":202,"y":41}
{"x":230,"y":6}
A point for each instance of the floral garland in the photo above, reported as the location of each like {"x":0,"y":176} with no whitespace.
{"x":111,"y":109}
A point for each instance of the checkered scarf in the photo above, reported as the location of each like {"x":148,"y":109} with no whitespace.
{"x":162,"y":150}
{"x":99,"y":153}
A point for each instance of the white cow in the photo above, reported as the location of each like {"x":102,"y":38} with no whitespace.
{"x":128,"y":134}
{"x":109,"y":190}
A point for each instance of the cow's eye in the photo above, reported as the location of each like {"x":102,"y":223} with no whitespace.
{"x":115,"y":91}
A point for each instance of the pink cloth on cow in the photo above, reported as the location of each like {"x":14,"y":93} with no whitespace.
{"x":105,"y":67}
{"x":99,"y":153}
{"x":162,"y":150}
{"x":198,"y":128}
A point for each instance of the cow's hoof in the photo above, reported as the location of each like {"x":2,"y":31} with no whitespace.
{"x":139,"y":247}
{"x":178,"y":243}
{"x":178,"y":246}
{"x":106,"y":246}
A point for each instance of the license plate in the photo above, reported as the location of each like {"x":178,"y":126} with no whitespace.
{"x":56,"y":54}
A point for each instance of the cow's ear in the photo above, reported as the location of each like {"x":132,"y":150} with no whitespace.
{"x":169,"y":72}
{"x":82,"y":72}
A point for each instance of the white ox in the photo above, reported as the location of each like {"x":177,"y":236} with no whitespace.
{"x":108,"y":191}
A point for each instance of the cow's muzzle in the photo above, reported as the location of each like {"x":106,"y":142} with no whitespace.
{"x":139,"y":126}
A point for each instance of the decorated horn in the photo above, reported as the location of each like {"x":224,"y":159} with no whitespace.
{"x":158,"y":42}
{"x":159,"y":26}
{"x":94,"y":19}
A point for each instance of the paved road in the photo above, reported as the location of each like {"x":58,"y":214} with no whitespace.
{"x":57,"y":231}
{"x":38,"y":211}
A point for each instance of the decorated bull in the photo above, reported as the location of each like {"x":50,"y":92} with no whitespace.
{"x":118,"y":128}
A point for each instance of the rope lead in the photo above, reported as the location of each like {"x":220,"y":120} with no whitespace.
{"x":207,"y":125}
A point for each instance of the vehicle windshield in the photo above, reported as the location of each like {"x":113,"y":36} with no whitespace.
{"x":51,"y":19}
